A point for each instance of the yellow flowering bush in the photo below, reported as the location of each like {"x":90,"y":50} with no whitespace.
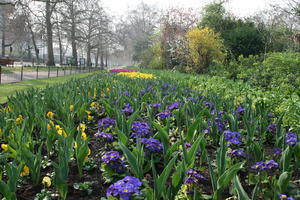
{"x":137,"y":75}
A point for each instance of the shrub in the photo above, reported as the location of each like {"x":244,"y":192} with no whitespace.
{"x":204,"y":46}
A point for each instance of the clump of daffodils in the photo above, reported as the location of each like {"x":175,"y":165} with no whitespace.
{"x":137,"y":75}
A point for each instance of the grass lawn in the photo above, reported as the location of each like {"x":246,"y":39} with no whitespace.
{"x":7,"y":70}
{"x":10,"y":89}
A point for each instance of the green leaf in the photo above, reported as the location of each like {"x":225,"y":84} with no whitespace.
{"x":132,"y":160}
{"x":240,"y":190}
{"x":283,"y":182}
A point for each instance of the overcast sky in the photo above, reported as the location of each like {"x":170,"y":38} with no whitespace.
{"x":242,"y":8}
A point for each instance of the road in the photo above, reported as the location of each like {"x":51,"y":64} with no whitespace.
{"x":16,"y":76}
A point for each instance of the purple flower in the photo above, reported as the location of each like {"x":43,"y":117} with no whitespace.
{"x":272,"y":128}
{"x":208,"y":104}
{"x":240,"y":110}
{"x":173,"y":106}
{"x":106,"y":136}
{"x":125,"y":188}
{"x":128,"y":110}
{"x":277,"y":151}
{"x":192,"y":99}
{"x":126,"y":93}
{"x":105,"y":123}
{"x":284,"y":196}
{"x":237,"y":153}
{"x":233,"y":138}
{"x":207,"y":131}
{"x":114,"y":161}
{"x":140,"y":129}
{"x":164,"y":114}
{"x":193,"y":176}
{"x":291,"y":139}
{"x":270,"y":115}
{"x":152,"y":145}
{"x":269,"y":164}
{"x":155,"y":106}
{"x":142,"y":92}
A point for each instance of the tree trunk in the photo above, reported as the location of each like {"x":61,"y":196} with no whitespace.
{"x":50,"y":61}
{"x":106,"y":58}
{"x":3,"y":34}
{"x":60,"y":46}
{"x":73,"y":37}
{"x":88,"y":55}
{"x":97,"y":57}
{"x":36,"y":50}
{"x":102,"y":59}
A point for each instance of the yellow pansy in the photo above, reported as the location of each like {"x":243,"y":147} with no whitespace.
{"x":5,"y":147}
{"x":90,"y":117}
{"x":93,"y":104}
{"x":46,"y":181}
{"x":71,"y":108}
{"x":19,"y":119}
{"x":25,"y":171}
{"x":81,"y":127}
{"x":49,"y":127}
{"x":83,"y":136}
{"x":57,"y":127}
{"x":50,"y":115}
{"x":88,"y":112}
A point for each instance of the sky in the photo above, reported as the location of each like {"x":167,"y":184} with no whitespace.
{"x":241,"y":8}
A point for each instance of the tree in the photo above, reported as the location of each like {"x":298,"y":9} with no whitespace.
{"x":204,"y":46}
{"x":241,"y":37}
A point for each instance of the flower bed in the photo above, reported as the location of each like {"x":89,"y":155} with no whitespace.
{"x":119,"y":137}
{"x":122,"y":70}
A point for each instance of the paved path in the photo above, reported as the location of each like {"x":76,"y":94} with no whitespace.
{"x":16,"y":76}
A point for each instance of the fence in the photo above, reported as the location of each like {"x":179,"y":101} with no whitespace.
{"x":17,"y":74}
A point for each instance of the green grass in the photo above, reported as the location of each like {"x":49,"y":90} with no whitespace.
{"x":10,"y":89}
{"x":8,"y":70}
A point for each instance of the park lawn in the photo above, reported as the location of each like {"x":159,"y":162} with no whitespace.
{"x":10,"y":89}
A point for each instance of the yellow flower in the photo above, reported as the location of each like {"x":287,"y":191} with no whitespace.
{"x":107,"y":89}
{"x":65,"y":134}
{"x":83,"y":136}
{"x":19,"y":119}
{"x":7,"y":109}
{"x":51,"y":122}
{"x":46,"y":181}
{"x":89,"y":118}
{"x":81,"y":127}
{"x":93,"y":104}
{"x":87,"y":157}
{"x":71,"y":108}
{"x":57,"y":127}
{"x":102,"y":94}
{"x":75,"y":145}
{"x":137,"y":75}
{"x":49,"y":127}
{"x":88,"y":112}
{"x":60,"y":131}
{"x":50,"y":115}
{"x":4,"y":147}
{"x":25,"y":171}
